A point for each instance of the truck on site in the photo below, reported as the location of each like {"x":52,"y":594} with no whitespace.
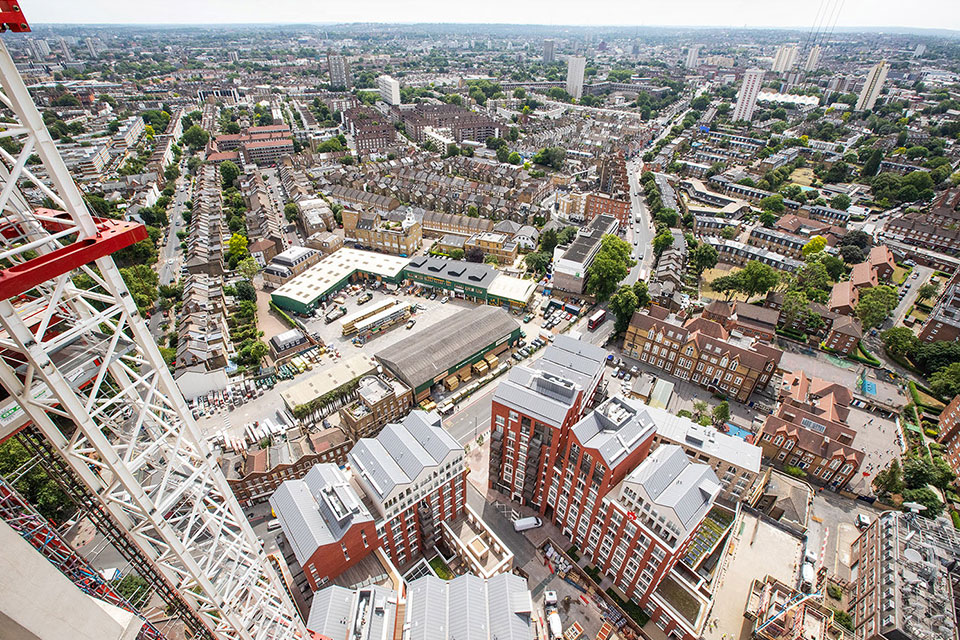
{"x":333,"y":314}
{"x":554,"y":626}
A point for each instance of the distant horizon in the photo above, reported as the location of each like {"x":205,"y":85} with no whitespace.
{"x":845,"y":15}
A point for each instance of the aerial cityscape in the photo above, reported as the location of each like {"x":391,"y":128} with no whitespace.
{"x":427,"y":328}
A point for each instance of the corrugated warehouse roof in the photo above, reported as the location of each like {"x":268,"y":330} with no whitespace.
{"x":423,"y":357}
{"x":367,"y":612}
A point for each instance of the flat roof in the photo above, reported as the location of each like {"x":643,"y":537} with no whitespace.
{"x":325,"y":380}
{"x":319,"y":280}
{"x":511,"y":288}
{"x":470,"y":274}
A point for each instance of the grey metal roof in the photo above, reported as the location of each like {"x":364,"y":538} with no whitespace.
{"x":671,"y":480}
{"x":317,"y":510}
{"x":366,"y":612}
{"x":471,"y":274}
{"x":469,"y":608}
{"x":421,"y":358}
{"x":400,"y":452}
{"x":541,"y":395}
{"x":615,"y":429}
{"x":574,"y":359}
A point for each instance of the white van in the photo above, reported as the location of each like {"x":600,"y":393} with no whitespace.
{"x":273,"y":525}
{"x":524,"y":524}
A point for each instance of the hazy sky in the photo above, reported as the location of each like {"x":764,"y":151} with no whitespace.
{"x":943,"y":14}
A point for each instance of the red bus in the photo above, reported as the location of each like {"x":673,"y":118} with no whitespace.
{"x":597,"y":319}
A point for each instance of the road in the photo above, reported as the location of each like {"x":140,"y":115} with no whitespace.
{"x":642,"y":229}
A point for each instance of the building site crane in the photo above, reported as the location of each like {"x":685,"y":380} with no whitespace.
{"x":95,"y":402}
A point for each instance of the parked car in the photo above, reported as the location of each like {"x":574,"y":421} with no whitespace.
{"x":410,"y":323}
{"x":444,"y":300}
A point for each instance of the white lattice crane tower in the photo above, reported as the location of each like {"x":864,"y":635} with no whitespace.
{"x":79,"y":360}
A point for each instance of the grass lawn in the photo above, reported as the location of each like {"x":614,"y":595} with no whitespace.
{"x":929,"y":400}
{"x":712,"y":274}
{"x":803,"y":177}
{"x":441,"y":569}
{"x":921,"y":316}
{"x":899,"y":274}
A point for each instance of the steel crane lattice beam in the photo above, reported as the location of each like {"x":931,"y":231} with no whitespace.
{"x":73,"y":348}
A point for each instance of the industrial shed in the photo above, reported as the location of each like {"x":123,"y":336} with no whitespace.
{"x":450,"y":348}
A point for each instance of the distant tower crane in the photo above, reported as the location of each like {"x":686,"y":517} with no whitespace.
{"x":95,"y":402}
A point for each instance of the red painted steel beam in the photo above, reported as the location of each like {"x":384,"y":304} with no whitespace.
{"x":12,"y":18}
{"x":112,"y":236}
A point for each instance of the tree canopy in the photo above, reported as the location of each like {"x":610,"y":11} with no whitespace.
{"x":611,"y":265}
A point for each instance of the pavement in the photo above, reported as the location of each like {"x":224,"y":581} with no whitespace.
{"x":832,"y":528}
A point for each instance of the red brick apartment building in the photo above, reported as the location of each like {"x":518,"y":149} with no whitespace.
{"x":950,"y":432}
{"x":702,"y":351}
{"x":599,"y":205}
{"x":809,"y":431}
{"x":398,"y":490}
{"x":944,"y":323}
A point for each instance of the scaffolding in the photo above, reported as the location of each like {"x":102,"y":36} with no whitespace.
{"x":104,"y":416}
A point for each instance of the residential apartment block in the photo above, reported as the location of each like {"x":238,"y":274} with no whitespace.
{"x":809,"y":431}
{"x":254,"y":475}
{"x":379,"y":401}
{"x":943,"y":323}
{"x":949,"y":437}
{"x":383,"y":232}
{"x":400,"y":487}
{"x":597,"y":204}
{"x":904,"y":579}
{"x":701,"y":351}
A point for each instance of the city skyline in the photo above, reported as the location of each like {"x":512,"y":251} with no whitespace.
{"x":882,"y":15}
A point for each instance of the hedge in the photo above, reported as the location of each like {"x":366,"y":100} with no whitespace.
{"x":283,"y":314}
{"x":956,"y":519}
{"x":630,"y":607}
{"x":864,"y":356}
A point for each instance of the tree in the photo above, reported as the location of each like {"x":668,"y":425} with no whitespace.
{"x":917,"y":473}
{"x":172,"y":172}
{"x":514,"y":158}
{"x":756,"y":278}
{"x":815,"y":245}
{"x":548,"y":241}
{"x":537,"y":261}
{"x":611,"y":265}
{"x":134,"y":589}
{"x":195,"y":137}
{"x":926,"y":291}
{"x":852,"y":254}
{"x":491,"y":259}
{"x":248,"y":268}
{"x":291,"y":211}
{"x":795,"y":305}
{"x":872,"y":164}
{"x":899,"y":341}
{"x":237,"y":245}
{"x":927,"y":498}
{"x":729,"y":232}
{"x":193,"y":163}
{"x":857,"y":238}
{"x":773,"y":202}
{"x":474,"y":254}
{"x":662,"y":241}
{"x":457,"y":254}
{"x":33,"y":483}
{"x":840,"y":201}
{"x":622,"y":304}
{"x":768,"y":219}
{"x":703,"y":257}
{"x":245,"y":291}
{"x":726,"y":284}
{"x":721,"y":413}
{"x":875,"y":305}
{"x":889,"y":480}
{"x":452,"y":150}
{"x":141,"y":281}
{"x":503,"y":154}
{"x":813,"y":275}
{"x":642,"y":292}
{"x":835,"y":267}
{"x":228,"y":173}
{"x":946,"y":381}
{"x":551,"y":156}
{"x":699,"y":409}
